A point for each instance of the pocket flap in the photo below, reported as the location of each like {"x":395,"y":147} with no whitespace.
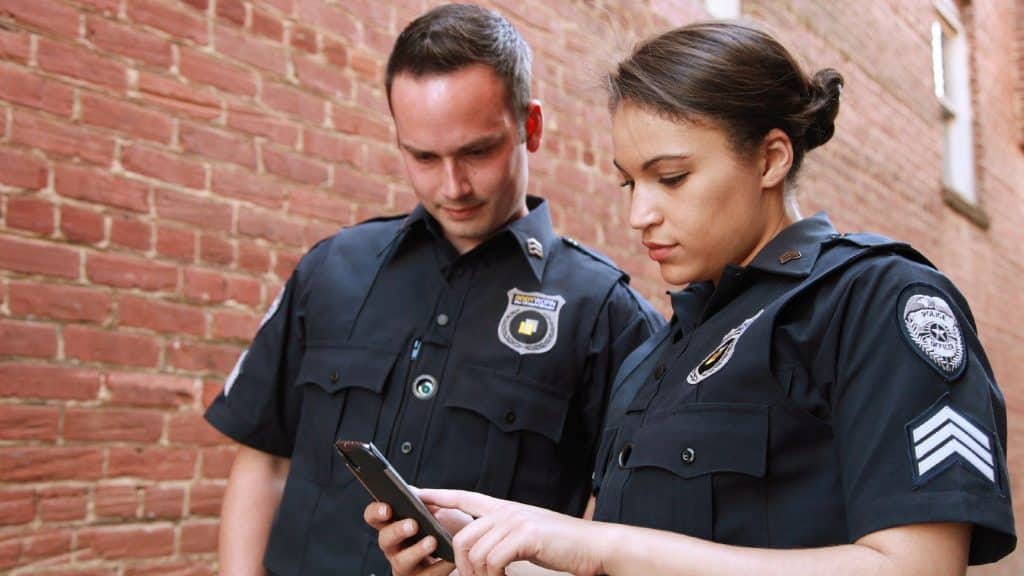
{"x":704,"y":439}
{"x":337,"y":367}
{"x":512,"y":403}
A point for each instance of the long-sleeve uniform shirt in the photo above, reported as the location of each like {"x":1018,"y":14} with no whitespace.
{"x":485,"y":371}
{"x":832,"y":388}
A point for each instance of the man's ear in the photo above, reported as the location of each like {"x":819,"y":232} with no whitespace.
{"x":776,"y":158}
{"x":534,"y":125}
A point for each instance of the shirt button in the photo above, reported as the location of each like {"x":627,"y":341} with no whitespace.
{"x":688,"y":456}
{"x":510,"y":417}
{"x":659,"y":371}
{"x":442,"y":319}
{"x":334,"y":376}
{"x":406,"y":448}
{"x":624,"y":455}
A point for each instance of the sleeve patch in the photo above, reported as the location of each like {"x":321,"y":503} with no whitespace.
{"x":932,"y":330}
{"x":942,"y":436}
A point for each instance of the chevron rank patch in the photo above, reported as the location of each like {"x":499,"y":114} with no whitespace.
{"x":942,"y":437}
{"x":530,"y":322}
{"x":932,"y":330}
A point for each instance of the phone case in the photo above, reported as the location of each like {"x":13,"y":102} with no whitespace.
{"x":382,"y":481}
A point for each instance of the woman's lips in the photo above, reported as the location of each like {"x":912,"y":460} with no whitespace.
{"x":658,"y":252}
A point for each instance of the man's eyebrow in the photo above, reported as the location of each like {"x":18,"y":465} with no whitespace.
{"x":482,"y":142}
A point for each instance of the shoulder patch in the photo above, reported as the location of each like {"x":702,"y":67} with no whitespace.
{"x":942,"y":436}
{"x":574,"y":243}
{"x":931,"y":328}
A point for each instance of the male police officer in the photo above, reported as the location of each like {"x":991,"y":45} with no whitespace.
{"x":472,"y":345}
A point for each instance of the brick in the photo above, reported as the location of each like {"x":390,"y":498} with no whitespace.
{"x":25,"y":339}
{"x":178,"y":97}
{"x":246,"y":291}
{"x":50,"y":464}
{"x":286,"y":263}
{"x":270,"y":227}
{"x":127,"y":272}
{"x":315,"y":204}
{"x":10,"y":553}
{"x":165,"y":502}
{"x":293,"y":102}
{"x":231,"y":11}
{"x":212,"y":388}
{"x":215,"y":249}
{"x":183,"y":24}
{"x":322,"y":77}
{"x":192,"y":429}
{"x":179,"y":568}
{"x":336,"y":53}
{"x":332,"y":147}
{"x":59,"y":302}
{"x":41,"y":545}
{"x":354,"y":185}
{"x":90,"y":424}
{"x":295,"y":167}
{"x":130,"y":232}
{"x":205,"y":286}
{"x":200,"y":5}
{"x":20,"y":380}
{"x":116,"y":501}
{"x":109,"y":7}
{"x":31,"y":214}
{"x":203,"y":212}
{"x":80,"y":63}
{"x":303,"y":38}
{"x":365,"y":64}
{"x":134,"y":44}
{"x":28,"y":423}
{"x":14,"y":45}
{"x":61,"y":139}
{"x":63,"y":503}
{"x":328,"y":17}
{"x":386,"y":161}
{"x":126,"y":118}
{"x":145,"y":389}
{"x":234,"y":326}
{"x":201,"y":357}
{"x":22,"y":170}
{"x":258,"y":123}
{"x":17,"y":506}
{"x":267,"y":25}
{"x":315,"y":231}
{"x":217,"y":462}
{"x":199,"y":538}
{"x":217,"y":145}
{"x":152,"y":463}
{"x":49,"y":16}
{"x":253,"y":258}
{"x":161,"y":316}
{"x":250,"y":50}
{"x":81,"y":224}
{"x":205,"y":499}
{"x":22,"y":87}
{"x":176,"y":243}
{"x":93,"y":345}
{"x":164,"y":166}
{"x":127,"y":541}
{"x":244,"y":185}
{"x":216,"y":72}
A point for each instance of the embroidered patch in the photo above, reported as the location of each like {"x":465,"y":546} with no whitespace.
{"x":942,"y":436}
{"x":931,"y":327}
{"x":274,"y":306}
{"x":720,"y":356}
{"x":530,"y":322}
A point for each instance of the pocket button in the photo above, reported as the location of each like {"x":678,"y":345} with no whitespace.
{"x":688,"y":456}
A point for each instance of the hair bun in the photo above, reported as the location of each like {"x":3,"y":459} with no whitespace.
{"x":826,"y":87}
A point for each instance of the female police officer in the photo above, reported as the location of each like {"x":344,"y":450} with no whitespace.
{"x":820,"y":402}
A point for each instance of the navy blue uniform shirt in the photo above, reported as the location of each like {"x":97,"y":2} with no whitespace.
{"x":832,"y":388}
{"x":486,"y":371}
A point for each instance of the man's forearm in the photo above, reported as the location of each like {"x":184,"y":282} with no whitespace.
{"x":250,"y":501}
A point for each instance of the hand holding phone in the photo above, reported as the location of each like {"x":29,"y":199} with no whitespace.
{"x":384,"y":484}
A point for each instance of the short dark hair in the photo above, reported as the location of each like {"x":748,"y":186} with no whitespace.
{"x":453,"y":36}
{"x":735,"y":75}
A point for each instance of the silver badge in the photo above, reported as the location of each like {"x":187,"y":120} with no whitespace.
{"x":530,"y":322}
{"x":933,"y":328}
{"x":720,"y":356}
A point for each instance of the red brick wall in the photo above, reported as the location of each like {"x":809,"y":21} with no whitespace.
{"x":164,"y":163}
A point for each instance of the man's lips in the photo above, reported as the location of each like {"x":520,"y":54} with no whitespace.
{"x":461,"y":212}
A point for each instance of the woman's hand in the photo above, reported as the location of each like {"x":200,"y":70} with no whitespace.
{"x":504,"y":532}
{"x":415,"y":559}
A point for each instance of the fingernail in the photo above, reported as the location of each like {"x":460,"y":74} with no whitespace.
{"x":429,"y":543}
{"x":408,"y":528}
{"x":382,"y":511}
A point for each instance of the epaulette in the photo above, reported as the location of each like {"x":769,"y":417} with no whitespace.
{"x":870,"y":240}
{"x":595,"y":255}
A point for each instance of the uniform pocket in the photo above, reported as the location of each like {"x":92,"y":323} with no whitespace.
{"x":521,"y":420}
{"x":686,"y":465}
{"x":341,"y":384}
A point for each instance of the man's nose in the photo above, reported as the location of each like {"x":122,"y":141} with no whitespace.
{"x":455,"y":183}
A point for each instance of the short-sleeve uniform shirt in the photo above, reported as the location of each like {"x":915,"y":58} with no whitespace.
{"x":832,"y":388}
{"x":485,"y":371}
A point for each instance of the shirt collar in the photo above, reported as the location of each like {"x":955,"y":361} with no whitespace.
{"x":533,"y":232}
{"x":794,"y":250}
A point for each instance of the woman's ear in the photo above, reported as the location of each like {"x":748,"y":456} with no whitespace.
{"x":777,"y":158}
{"x":534,"y":125}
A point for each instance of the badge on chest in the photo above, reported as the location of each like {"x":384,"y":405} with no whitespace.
{"x":722,"y":353}
{"x":530,"y":322}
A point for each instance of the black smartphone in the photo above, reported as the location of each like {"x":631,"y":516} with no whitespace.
{"x":382,"y":481}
